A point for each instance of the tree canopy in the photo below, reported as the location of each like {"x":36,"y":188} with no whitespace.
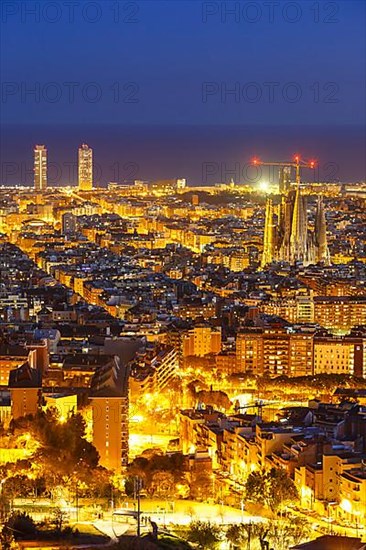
{"x":160,"y":474}
{"x":205,"y":534}
{"x":274,"y":487}
{"x":59,"y":455}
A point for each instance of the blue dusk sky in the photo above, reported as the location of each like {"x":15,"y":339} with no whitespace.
{"x":185,"y":62}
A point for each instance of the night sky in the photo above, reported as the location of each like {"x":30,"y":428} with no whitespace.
{"x":174,"y":63}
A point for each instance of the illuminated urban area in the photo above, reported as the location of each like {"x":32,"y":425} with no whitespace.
{"x":187,"y":362}
{"x":182,"y":275}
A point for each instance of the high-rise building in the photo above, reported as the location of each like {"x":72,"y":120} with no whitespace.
{"x":85,"y":168}
{"x":40,"y":168}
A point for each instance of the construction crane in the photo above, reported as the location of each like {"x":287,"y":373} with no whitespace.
{"x":297,"y":163}
{"x":255,"y":405}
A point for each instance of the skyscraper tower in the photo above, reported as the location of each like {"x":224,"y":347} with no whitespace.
{"x":40,"y":168}
{"x":85,"y":168}
{"x":268,"y":242}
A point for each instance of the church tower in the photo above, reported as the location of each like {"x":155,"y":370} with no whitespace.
{"x":268,"y":242}
{"x":321,"y":233}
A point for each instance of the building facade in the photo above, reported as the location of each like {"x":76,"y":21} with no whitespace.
{"x":40,"y":168}
{"x":85,"y":168}
{"x":109,"y":403}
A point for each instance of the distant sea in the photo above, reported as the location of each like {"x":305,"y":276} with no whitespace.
{"x":205,"y":155}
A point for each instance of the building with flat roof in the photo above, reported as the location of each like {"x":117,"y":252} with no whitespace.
{"x":109,"y":402}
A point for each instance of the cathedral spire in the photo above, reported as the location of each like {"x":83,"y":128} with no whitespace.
{"x":321,"y":233}
{"x":292,"y":241}
{"x":298,"y":237}
{"x":268,"y":242}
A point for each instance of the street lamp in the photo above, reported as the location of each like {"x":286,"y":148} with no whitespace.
{"x":137,"y":489}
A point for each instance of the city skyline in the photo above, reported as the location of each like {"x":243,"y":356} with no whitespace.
{"x":183,"y":275}
{"x":211,"y":172}
{"x":152,"y":153}
{"x":262,"y":98}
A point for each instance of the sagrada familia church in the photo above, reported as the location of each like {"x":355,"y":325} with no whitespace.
{"x":287,"y":236}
